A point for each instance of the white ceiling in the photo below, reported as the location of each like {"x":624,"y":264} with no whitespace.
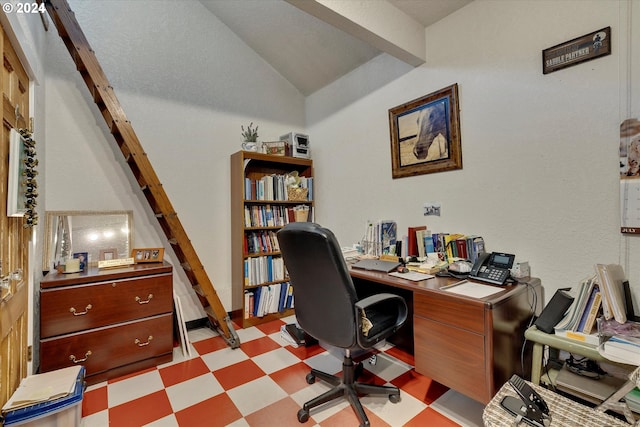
{"x":307,"y":51}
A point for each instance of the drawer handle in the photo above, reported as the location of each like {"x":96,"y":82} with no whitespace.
{"x":86,"y":356}
{"x":142,"y":344}
{"x":140,"y":301}
{"x":81,"y":313}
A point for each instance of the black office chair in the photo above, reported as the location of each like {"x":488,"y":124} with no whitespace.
{"x":328,"y":309}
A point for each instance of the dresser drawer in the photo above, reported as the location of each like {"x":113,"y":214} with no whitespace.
{"x":70,"y":309}
{"x":455,"y":312}
{"x":109,"y":347}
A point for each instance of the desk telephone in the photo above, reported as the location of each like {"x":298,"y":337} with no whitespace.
{"x":530,"y":408}
{"x":493,"y":268}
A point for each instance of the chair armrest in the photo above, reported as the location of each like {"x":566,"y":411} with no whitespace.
{"x":390,"y":305}
{"x":373,"y":300}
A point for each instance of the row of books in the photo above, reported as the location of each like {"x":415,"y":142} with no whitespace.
{"x":421,"y":241}
{"x":276,"y":215}
{"x":256,"y":242}
{"x":600,"y":295}
{"x":268,"y":299}
{"x":273,"y":187}
{"x":263,"y":269}
{"x":583,"y":311}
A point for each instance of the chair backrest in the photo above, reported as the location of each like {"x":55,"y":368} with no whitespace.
{"x":323,"y":291}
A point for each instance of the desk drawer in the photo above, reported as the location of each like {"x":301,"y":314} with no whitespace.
{"x":455,"y":312}
{"x":453,"y":357}
{"x":75,"y":308}
{"x":109,"y":347}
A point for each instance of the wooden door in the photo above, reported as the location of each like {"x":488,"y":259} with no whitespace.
{"x":14,"y":238}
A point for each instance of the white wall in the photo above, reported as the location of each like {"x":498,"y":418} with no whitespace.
{"x":540,"y":152}
{"x":539,"y":175}
{"x":186,"y":89}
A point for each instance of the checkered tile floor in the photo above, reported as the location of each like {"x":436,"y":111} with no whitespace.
{"x":262,"y":383}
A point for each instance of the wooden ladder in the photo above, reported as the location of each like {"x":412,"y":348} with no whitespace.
{"x":121,"y":129}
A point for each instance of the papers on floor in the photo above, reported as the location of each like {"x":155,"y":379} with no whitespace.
{"x":292,"y":334}
{"x":43,"y":387}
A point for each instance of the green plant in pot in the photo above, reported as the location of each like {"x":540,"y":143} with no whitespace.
{"x":250,"y":137}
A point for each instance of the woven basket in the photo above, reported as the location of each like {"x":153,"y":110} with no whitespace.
{"x":297,"y":194}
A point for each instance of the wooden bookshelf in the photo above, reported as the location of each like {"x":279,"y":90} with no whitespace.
{"x":266,"y":215}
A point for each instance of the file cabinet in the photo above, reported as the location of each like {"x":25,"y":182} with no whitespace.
{"x":112,"y":321}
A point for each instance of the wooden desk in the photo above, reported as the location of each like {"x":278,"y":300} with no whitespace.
{"x":470,"y":345}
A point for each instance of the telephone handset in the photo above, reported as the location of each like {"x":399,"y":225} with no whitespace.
{"x":493,"y":268}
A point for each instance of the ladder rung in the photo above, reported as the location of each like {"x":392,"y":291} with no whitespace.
{"x":111,"y":110}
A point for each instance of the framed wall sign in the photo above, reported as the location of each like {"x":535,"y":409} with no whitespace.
{"x":580,"y":49}
{"x":425,"y":134}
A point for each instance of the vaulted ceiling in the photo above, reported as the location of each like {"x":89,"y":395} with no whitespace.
{"x":312,"y":43}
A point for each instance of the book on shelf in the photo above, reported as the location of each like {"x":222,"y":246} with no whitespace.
{"x":611,"y":279}
{"x":581,"y":294}
{"x":420,"y":236}
{"x":412,"y":245}
{"x":267,"y":299}
{"x":586,"y":310}
{"x":594,"y":310}
{"x":388,"y":236}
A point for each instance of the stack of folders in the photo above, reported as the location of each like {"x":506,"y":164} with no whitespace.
{"x":599,"y":296}
{"x":623,"y":349}
{"x":579,"y":322}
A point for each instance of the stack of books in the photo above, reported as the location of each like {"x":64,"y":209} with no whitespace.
{"x":420,"y":241}
{"x":621,"y":348}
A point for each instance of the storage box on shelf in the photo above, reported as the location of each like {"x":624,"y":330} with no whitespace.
{"x":261,"y":204}
{"x":112,"y":321}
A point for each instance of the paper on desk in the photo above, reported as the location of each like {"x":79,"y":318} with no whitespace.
{"x":43,"y":387}
{"x":475,"y":290}
{"x":412,"y":275}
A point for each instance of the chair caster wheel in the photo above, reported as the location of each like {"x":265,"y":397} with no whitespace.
{"x":303,"y":416}
{"x":311,"y":379}
{"x":394,"y":398}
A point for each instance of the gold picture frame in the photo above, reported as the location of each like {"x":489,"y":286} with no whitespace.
{"x":425,"y":134}
{"x":108,"y":254}
{"x":140,"y":255}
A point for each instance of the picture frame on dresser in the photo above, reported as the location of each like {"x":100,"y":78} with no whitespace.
{"x":108,"y":254}
{"x":141,"y":255}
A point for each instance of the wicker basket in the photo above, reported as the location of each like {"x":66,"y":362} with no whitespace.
{"x":297,"y":194}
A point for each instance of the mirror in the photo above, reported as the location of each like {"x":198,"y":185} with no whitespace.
{"x":69,"y":232}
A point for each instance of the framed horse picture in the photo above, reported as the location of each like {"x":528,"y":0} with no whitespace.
{"x":425,"y":134}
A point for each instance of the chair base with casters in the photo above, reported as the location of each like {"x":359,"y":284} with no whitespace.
{"x":346,"y":386}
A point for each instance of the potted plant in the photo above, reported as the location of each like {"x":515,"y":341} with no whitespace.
{"x":250,"y":137}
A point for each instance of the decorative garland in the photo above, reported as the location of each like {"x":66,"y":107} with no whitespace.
{"x":29,"y":182}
